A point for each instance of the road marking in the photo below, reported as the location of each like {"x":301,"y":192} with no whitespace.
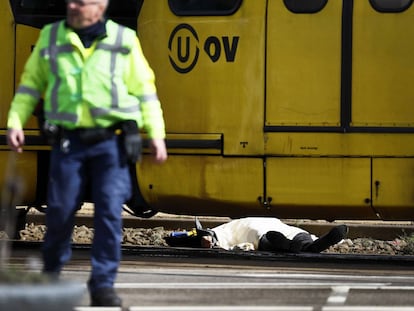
{"x":367,"y":308}
{"x":272,"y":275}
{"x":223,"y":308}
{"x":97,"y":309}
{"x":249,"y":308}
{"x":249,"y":285}
{"x":338,"y":295}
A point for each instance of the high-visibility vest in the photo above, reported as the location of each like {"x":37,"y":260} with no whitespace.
{"x":115,"y":81}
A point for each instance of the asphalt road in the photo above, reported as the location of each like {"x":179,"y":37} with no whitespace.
{"x":228,"y":284}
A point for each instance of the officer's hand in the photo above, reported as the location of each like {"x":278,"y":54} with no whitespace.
{"x":15,"y":139}
{"x":158,"y":150}
{"x":133,"y":147}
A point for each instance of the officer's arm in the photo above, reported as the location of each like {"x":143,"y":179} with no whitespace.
{"x":141,"y":82}
{"x":32,"y":84}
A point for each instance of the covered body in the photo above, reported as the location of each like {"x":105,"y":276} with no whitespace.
{"x":239,"y":232}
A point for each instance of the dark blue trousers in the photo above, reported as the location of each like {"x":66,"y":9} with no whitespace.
{"x":104,"y":168}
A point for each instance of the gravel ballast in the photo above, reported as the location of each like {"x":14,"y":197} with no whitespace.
{"x":155,"y":237}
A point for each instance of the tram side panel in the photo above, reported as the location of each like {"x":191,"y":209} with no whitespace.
{"x":26,"y":37}
{"x":304,"y":48}
{"x":367,"y":127}
{"x":221,"y":161}
{"x":303,"y":65}
{"x":383,"y":97}
{"x":25,"y":169}
{"x":209,"y":67}
{"x":6,"y":59}
{"x":383,"y":66}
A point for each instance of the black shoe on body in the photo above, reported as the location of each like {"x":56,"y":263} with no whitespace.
{"x":301,"y":242}
{"x":105,"y":297}
{"x":274,"y":241}
{"x":335,"y":235}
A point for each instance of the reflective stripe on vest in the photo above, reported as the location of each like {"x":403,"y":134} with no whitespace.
{"x":28,"y":91}
{"x":114,"y":49}
{"x":53,"y":50}
{"x":147,"y":98}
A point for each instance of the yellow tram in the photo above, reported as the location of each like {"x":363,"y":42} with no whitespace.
{"x":287,"y":108}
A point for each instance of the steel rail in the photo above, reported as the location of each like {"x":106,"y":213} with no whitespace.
{"x":250,"y":258}
{"x":379,"y":230}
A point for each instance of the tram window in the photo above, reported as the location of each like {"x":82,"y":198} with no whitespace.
{"x":37,"y":13}
{"x":390,"y":6}
{"x":125,"y":12}
{"x":204,"y":7}
{"x":305,"y":6}
{"x":35,"y":4}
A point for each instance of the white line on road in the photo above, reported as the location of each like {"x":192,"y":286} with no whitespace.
{"x":250,"y":285}
{"x":223,"y":308}
{"x":249,"y":308}
{"x":97,"y":309}
{"x":269,"y":275}
{"x":338,"y":295}
{"x":367,"y":308}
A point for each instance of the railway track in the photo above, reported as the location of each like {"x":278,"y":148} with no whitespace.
{"x":365,"y":237}
{"x":254,"y":266}
{"x":373,"y":229}
{"x":160,"y":278}
{"x":177,"y":281}
{"x":23,"y":249}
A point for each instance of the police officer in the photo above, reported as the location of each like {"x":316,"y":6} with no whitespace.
{"x":96,"y":83}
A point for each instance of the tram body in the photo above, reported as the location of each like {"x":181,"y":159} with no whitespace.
{"x":294,"y":109}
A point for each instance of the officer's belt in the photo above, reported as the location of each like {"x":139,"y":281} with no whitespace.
{"x":90,"y":136}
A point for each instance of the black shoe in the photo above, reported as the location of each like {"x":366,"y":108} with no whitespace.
{"x":300,"y":242}
{"x":274,"y":241}
{"x":335,"y":235}
{"x":105,"y":297}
